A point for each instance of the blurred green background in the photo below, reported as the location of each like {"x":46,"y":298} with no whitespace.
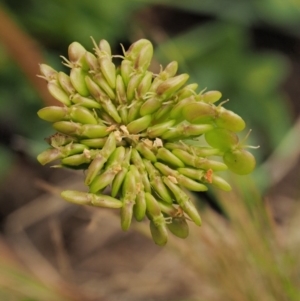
{"x":248,"y":50}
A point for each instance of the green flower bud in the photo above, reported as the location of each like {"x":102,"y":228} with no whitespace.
{"x":163,"y":113}
{"x":75,"y":52}
{"x":85,"y":130}
{"x":184,"y":201}
{"x":94,"y":168}
{"x":126,"y":214}
{"x":190,"y":130}
{"x":107,"y":119}
{"x":105,"y":47}
{"x":134,"y":50}
{"x":239,"y":161}
{"x":106,"y":201}
{"x":145,"y":151}
{"x":84,"y":198}
{"x":180,"y":179}
{"x":116,"y":158}
{"x":48,"y":72}
{"x":228,"y":120}
{"x":196,"y":174}
{"x":103,"y":84}
{"x":85,"y":102}
{"x":198,"y":112}
{"x":157,"y":222}
{"x":104,"y":179}
{"x":159,"y":129}
{"x":49,"y":155}
{"x":110,"y":109}
{"x":144,"y":58}
{"x":204,"y":151}
{"x":108,"y":69}
{"x":220,"y":183}
{"x":139,"y":208}
{"x":93,"y":131}
{"x":65,"y":83}
{"x":77,"y":76}
{"x":176,"y":111}
{"x":53,"y":113}
{"x":153,"y":208}
{"x":94,"y":143}
{"x":76,"y":160}
{"x":104,"y":100}
{"x":200,"y":151}
{"x":150,"y":106}
{"x":159,"y":232}
{"x":120,"y":90}
{"x":144,"y":84}
{"x":126,"y":71}
{"x":82,"y":115}
{"x":179,"y":227}
{"x":156,"y":82}
{"x":168,"y":209}
{"x":72,"y":148}
{"x":165,"y":155}
{"x":79,"y":114}
{"x":139,"y":125}
{"x":68,"y":128}
{"x":198,"y":162}
{"x":58,"y":93}
{"x":177,"y":145}
{"x":138,"y":162}
{"x":211,"y":96}
{"x":91,"y":61}
{"x":171,"y":85}
{"x":134,"y":110}
{"x":187,"y":91}
{"x":169,"y":71}
{"x":77,"y":197}
{"x":129,"y":192}
{"x":132,"y":86}
{"x":97,"y":164}
{"x":123,"y":114}
{"x":222,"y":139}
{"x":109,"y":146}
{"x":113,"y":167}
{"x":118,"y":180}
{"x":157,"y":183}
{"x":93,"y":88}
{"x":185,"y":130}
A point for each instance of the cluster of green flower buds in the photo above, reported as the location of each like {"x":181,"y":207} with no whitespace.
{"x":138,"y":136}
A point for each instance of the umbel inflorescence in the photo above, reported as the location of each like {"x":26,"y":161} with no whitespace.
{"x":139,"y":136}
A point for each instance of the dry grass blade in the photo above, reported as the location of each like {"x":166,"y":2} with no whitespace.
{"x":17,"y":283}
{"x":240,"y":257}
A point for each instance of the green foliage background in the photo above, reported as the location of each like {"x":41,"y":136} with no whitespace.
{"x":218,"y":51}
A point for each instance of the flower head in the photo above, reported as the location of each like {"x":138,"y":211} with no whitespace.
{"x":136,"y":134}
